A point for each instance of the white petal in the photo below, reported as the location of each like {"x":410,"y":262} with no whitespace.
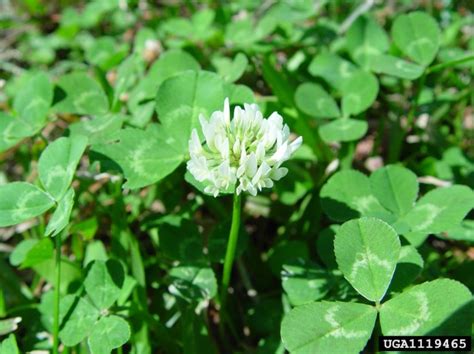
{"x":252,"y":190}
{"x":251,"y":165}
{"x":262,"y":172}
{"x":221,"y":144}
{"x":280,"y":153}
{"x":236,"y":147}
{"x":240,"y":171}
{"x":197,"y":166}
{"x":270,"y":137}
{"x":226,"y":111}
{"x":194,"y":143}
{"x":242,"y":164}
{"x":296,"y":144}
{"x":278,"y":173}
{"x":212,"y":190}
{"x":285,"y":132}
{"x":239,"y":189}
{"x":224,"y":169}
{"x":268,"y":183}
{"x":207,"y":130}
{"x":260,"y":153}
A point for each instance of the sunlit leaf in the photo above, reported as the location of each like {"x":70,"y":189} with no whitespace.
{"x":61,"y":215}
{"x":199,"y":93}
{"x":107,"y":334}
{"x":395,"y":187}
{"x":313,"y":100}
{"x":347,"y":195}
{"x":359,"y":92}
{"x":365,"y":40}
{"x":33,"y":101}
{"x":77,"y":318}
{"x":440,"y":209}
{"x":143,"y":156}
{"x":9,"y":345}
{"x":440,"y":307}
{"x":328,"y":327}
{"x":58,"y":162}
{"x":332,"y":68}
{"x":80,"y":94}
{"x":417,"y":34}
{"x":367,"y":251}
{"x":305,"y":283}
{"x":20,"y":201}
{"x":104,"y":282}
{"x":390,"y":65}
{"x":344,"y":129}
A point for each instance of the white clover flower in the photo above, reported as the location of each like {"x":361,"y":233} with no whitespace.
{"x":246,"y":152}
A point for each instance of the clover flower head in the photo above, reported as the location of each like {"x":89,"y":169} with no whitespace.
{"x":245,"y":152}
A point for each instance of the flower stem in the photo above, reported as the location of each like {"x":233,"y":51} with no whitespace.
{"x":57,"y":295}
{"x":347,"y":155}
{"x":231,"y":246}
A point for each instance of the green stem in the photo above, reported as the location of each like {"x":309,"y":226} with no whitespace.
{"x":231,"y":246}
{"x":377,"y":329}
{"x":347,"y":155}
{"x":57,"y":296}
{"x":376,"y":338}
{"x":376,"y":335}
{"x":449,"y":64}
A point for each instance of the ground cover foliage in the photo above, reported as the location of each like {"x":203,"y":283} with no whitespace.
{"x":351,"y":222}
